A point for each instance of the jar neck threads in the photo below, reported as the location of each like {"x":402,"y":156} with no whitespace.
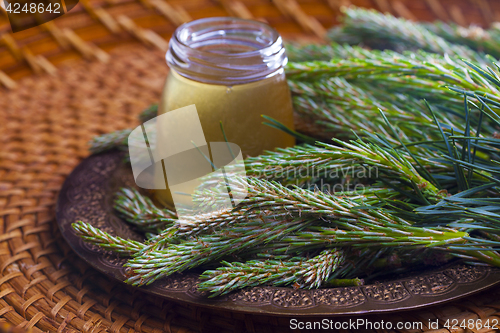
{"x":226,"y":50}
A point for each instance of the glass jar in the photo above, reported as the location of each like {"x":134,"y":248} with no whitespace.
{"x":231,"y":69}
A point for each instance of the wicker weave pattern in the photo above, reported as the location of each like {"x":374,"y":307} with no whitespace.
{"x":46,"y":120}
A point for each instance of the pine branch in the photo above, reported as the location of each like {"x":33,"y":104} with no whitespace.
{"x":396,"y":65}
{"x":339,"y":35}
{"x":117,"y":139}
{"x":426,"y":85}
{"x":154,"y":264}
{"x":264,"y":200}
{"x":475,"y":37}
{"x":339,"y":105}
{"x":365,"y":233}
{"x":299,"y":271}
{"x":149,"y":113}
{"x":374,"y":28}
{"x":148,"y":267}
{"x":318,"y":52}
{"x":106,"y":241}
{"x":312,"y":160}
{"x":278,"y":212}
{"x":431,"y":81}
{"x":140,"y":211}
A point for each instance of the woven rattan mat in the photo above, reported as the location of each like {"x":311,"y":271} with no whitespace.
{"x":45,"y":125}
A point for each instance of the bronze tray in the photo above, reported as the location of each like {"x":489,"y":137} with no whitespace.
{"x":87,"y":195}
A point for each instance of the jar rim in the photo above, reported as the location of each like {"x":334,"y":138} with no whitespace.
{"x":179,"y":30}
{"x":226,"y":50}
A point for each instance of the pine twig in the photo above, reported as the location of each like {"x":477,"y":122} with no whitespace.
{"x":151,"y":265}
{"x":312,"y":159}
{"x":140,"y":211}
{"x":340,"y":105}
{"x":475,"y":37}
{"x":106,"y":241}
{"x":318,"y":52}
{"x":301,"y":272}
{"x":276,"y":212}
{"x":148,"y":113}
{"x":117,"y":139}
{"x":376,"y":28}
{"x":396,"y":65}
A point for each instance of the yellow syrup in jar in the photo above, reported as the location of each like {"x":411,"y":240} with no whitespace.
{"x":238,"y":107}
